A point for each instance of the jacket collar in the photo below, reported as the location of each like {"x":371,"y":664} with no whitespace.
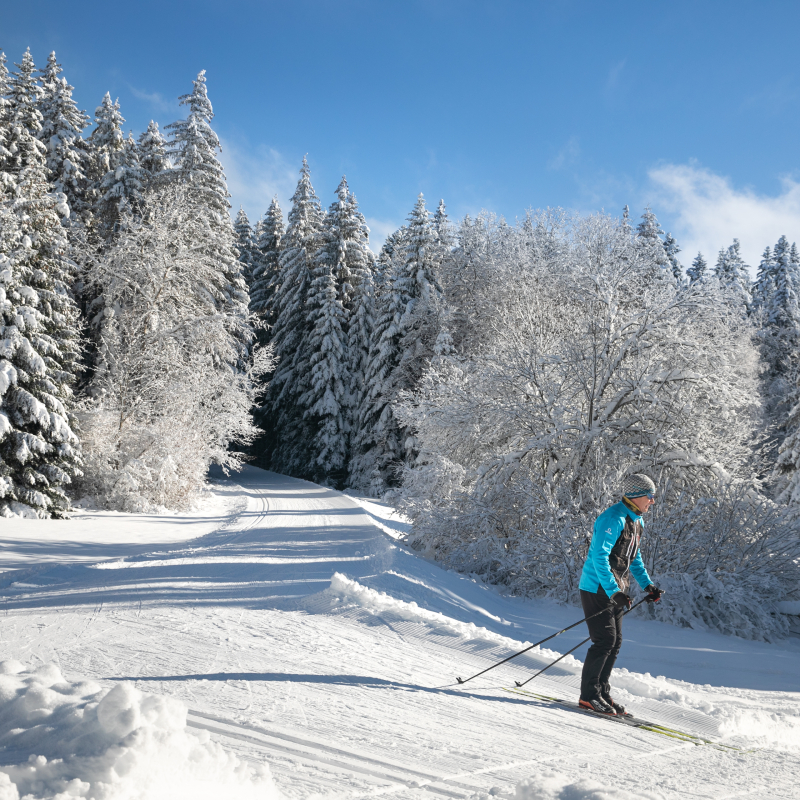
{"x":631,"y":507}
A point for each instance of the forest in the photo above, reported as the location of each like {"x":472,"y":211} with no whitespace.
{"x":496,"y":381}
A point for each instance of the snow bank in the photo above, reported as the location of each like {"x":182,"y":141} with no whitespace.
{"x":553,"y":786}
{"x":768,"y":719}
{"x":788,"y":607}
{"x":346,"y":590}
{"x":75,"y":739}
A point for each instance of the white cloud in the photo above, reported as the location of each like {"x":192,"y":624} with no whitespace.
{"x":614,"y":79}
{"x":567,"y":155}
{"x":378,"y":231}
{"x":155,"y":100}
{"x":255,"y":175}
{"x":708,"y":212}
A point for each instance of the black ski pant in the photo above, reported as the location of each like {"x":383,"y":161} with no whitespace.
{"x":606,"y":633}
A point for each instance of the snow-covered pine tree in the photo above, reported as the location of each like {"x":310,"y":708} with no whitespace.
{"x":193,"y":152}
{"x":106,"y":143}
{"x":698,"y":269}
{"x":153,"y":152}
{"x":245,"y":244}
{"x":288,"y":436}
{"x":671,"y":249}
{"x":63,"y":124}
{"x":266,"y":273}
{"x":731,"y":271}
{"x":39,"y":452}
{"x":403,"y":341}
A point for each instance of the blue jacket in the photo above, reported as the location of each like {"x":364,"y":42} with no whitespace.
{"x":610,"y":558}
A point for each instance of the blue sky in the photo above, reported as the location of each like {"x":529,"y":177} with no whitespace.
{"x":506,"y":105}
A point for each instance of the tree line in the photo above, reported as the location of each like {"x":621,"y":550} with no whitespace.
{"x":497,"y":380}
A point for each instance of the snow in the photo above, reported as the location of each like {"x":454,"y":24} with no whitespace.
{"x":292,"y":637}
{"x":109,"y":744}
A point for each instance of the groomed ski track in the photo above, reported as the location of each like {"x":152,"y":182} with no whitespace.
{"x":345,"y":697}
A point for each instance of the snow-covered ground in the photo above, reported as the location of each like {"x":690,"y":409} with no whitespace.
{"x":282,"y":641}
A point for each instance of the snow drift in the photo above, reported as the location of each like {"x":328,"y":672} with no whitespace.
{"x":61,"y":739}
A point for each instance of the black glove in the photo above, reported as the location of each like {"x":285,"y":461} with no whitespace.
{"x":653,"y":593}
{"x":621,"y":600}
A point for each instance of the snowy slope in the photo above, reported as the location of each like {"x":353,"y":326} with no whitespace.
{"x":302,"y":635}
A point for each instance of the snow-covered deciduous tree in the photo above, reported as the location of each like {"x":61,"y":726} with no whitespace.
{"x":592,"y":367}
{"x":169,"y":396}
{"x":39,"y":451}
{"x":289,"y":448}
{"x":62,"y":129}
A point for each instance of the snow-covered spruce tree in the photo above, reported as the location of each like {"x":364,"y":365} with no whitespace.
{"x":266,"y":273}
{"x":288,"y":441}
{"x":63,"y":124}
{"x":776,"y":305}
{"x":786,"y":474}
{"x":193,"y":153}
{"x":245,"y":244}
{"x":106,"y":143}
{"x":324,"y":403}
{"x":403,"y":339}
{"x":595,"y":367}
{"x":153,"y":152}
{"x":671,"y":249}
{"x":168,"y":397}
{"x":39,"y":452}
{"x":648,"y":235}
{"x":731,"y":271}
{"x":697,"y":271}
{"x":763,"y":286}
{"x":777,"y":296}
{"x":121,"y":188}
{"x":342,"y":263}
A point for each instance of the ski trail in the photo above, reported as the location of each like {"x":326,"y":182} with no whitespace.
{"x":337,"y":697}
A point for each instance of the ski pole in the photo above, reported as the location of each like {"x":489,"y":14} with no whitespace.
{"x":576,"y":646}
{"x":553,"y":636}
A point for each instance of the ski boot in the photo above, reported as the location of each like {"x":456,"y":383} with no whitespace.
{"x":598,"y":705}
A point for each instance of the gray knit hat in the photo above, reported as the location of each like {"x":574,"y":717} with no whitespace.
{"x":637,"y":485}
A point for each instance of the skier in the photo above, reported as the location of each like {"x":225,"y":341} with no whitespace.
{"x":613,"y":556}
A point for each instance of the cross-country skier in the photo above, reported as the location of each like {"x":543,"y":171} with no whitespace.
{"x":613,"y":556}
